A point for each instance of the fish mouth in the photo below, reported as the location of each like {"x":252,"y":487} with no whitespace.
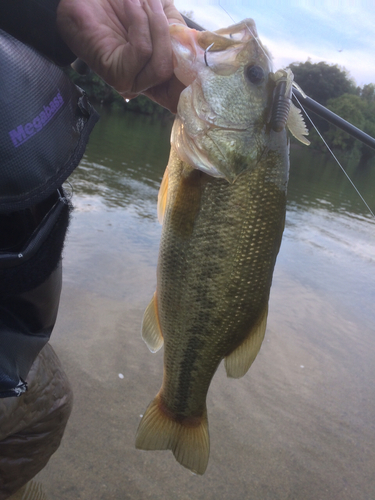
{"x":184,"y":45}
{"x":191,"y":49}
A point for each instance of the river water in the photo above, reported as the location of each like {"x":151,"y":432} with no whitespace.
{"x":301,"y":423}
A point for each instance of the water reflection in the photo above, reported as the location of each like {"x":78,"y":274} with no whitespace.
{"x":300,"y":424}
{"x":330,"y":232}
{"x":317,"y":181}
{"x":125,"y":161}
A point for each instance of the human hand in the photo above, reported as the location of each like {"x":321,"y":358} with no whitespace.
{"x":126,"y":42}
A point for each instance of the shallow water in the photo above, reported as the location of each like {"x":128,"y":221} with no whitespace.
{"x":301,"y":423}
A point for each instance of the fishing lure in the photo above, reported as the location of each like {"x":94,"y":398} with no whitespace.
{"x":284,"y":113}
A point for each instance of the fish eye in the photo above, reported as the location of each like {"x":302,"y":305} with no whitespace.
{"x":254,"y":74}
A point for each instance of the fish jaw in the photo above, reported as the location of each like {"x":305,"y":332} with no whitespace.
{"x":220,"y":112}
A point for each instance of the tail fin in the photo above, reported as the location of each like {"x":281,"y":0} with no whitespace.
{"x":190,"y":444}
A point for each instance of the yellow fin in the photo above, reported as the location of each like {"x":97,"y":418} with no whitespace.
{"x":151,"y":332}
{"x":296,"y":124}
{"x":190,"y":444}
{"x":239,"y":361}
{"x":162,"y":196}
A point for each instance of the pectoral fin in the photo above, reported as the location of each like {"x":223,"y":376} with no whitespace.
{"x":162,"y":196}
{"x":151,"y":332}
{"x":239,"y":361}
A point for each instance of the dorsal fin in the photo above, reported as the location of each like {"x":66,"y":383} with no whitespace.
{"x":296,"y":124}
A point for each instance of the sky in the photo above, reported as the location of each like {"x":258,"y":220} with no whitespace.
{"x":338,"y":32}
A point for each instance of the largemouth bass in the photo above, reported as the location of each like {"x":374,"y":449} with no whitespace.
{"x":222,"y":201}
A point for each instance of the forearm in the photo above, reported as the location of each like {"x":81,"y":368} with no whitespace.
{"x":34,"y":22}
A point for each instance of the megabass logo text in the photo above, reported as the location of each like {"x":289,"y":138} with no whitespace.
{"x":23,"y":133}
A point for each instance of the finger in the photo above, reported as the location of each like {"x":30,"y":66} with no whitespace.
{"x":98,"y":33}
{"x":172,"y":13}
{"x":160,"y":67}
{"x":133,"y":49}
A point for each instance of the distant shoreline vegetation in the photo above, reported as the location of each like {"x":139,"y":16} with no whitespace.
{"x":327,"y":84}
{"x":333,"y":87}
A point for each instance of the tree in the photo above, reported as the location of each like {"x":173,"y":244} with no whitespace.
{"x":368,"y":97}
{"x":358,"y":110}
{"x":322,"y":81}
{"x":368,"y":92}
{"x":350,"y":108}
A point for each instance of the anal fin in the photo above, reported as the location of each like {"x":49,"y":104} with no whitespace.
{"x":151,"y":332}
{"x":239,"y":361}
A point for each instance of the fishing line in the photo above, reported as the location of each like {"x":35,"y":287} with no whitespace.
{"x":251,"y":33}
{"x":227,"y":13}
{"x":333,"y":155}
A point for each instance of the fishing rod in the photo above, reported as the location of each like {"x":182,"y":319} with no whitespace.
{"x":331,"y":117}
{"x":315,"y":107}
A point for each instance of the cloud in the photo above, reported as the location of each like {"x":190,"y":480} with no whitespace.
{"x":285,"y":53}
